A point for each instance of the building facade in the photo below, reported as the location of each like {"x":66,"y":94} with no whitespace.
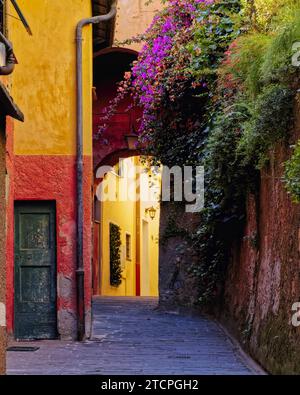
{"x":41,"y":244}
{"x":42,"y":276}
{"x":8,"y":110}
{"x":129,"y":205}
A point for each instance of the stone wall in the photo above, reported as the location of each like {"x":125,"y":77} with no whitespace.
{"x":263,"y":280}
{"x":177,"y":288}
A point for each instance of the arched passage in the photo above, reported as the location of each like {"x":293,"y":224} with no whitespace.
{"x":126,"y":227}
{"x":132,"y":220}
{"x":110,"y":66}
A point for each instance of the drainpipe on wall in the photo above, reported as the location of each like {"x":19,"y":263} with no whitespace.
{"x":80,"y":214}
{"x":10,"y":57}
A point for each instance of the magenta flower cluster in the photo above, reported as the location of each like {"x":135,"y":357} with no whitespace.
{"x":160,"y":68}
{"x":150,"y":71}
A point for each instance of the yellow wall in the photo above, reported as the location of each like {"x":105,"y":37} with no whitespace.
{"x":133,"y":18}
{"x":124,"y":214}
{"x":46,"y":71}
{"x":121,"y":214}
{"x":150,"y":282}
{"x":44,"y":82}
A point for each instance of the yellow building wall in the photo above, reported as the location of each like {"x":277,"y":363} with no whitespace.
{"x":47,"y":69}
{"x":121,"y":214}
{"x":124,"y":214}
{"x":149,"y":275}
{"x":44,"y":82}
{"x":133,"y":18}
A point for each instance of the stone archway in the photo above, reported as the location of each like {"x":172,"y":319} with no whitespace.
{"x":115,"y":142}
{"x":110,"y":66}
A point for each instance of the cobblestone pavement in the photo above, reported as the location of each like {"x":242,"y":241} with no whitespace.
{"x":130,"y":336}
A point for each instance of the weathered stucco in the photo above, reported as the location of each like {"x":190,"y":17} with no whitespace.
{"x":263,"y":278}
{"x":133,"y":18}
{"x":42,"y":151}
{"x":2,"y":247}
{"x":44,"y":81}
{"x":54,"y":178}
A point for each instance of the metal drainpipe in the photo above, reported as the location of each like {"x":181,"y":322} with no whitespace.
{"x":80,"y":262}
{"x":10,"y":58}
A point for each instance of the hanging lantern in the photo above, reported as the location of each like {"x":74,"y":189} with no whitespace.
{"x":152,"y":212}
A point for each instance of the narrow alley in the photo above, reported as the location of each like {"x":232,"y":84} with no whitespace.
{"x":149,"y":188}
{"x":132,"y":337}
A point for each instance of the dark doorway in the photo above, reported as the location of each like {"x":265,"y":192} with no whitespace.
{"x":35,"y":270}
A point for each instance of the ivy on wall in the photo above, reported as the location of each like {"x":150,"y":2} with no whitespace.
{"x":292,"y":174}
{"x":254,"y":98}
{"x":217,"y":86}
{"x":115,"y":255}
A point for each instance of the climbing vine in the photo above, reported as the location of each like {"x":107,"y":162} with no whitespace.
{"x":253,"y":110}
{"x":115,"y":255}
{"x":217,"y":87}
{"x":292,"y":174}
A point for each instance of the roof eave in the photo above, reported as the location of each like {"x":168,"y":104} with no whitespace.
{"x":8,"y":107}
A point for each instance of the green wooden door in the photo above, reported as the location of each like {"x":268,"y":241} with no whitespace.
{"x":35,"y":271}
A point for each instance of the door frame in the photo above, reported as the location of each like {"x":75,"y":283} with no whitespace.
{"x":36,"y":202}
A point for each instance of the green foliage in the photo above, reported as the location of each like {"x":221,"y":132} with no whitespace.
{"x":253,"y":110}
{"x":292,"y":174}
{"x":210,"y":40}
{"x":266,"y":15}
{"x":258,"y":59}
{"x":277,"y":65}
{"x":247,"y":109}
{"x":115,"y":255}
{"x":227,"y":182}
{"x":242,"y":67}
{"x":224,"y":95}
{"x":237,"y":144}
{"x":271,"y":120}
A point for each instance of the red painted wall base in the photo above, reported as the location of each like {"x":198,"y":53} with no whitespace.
{"x":54,"y":178}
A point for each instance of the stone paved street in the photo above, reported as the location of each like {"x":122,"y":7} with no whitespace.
{"x":130,"y":336}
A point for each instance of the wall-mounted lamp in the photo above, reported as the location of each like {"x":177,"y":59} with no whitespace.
{"x":151,"y":211}
{"x":131,"y":141}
